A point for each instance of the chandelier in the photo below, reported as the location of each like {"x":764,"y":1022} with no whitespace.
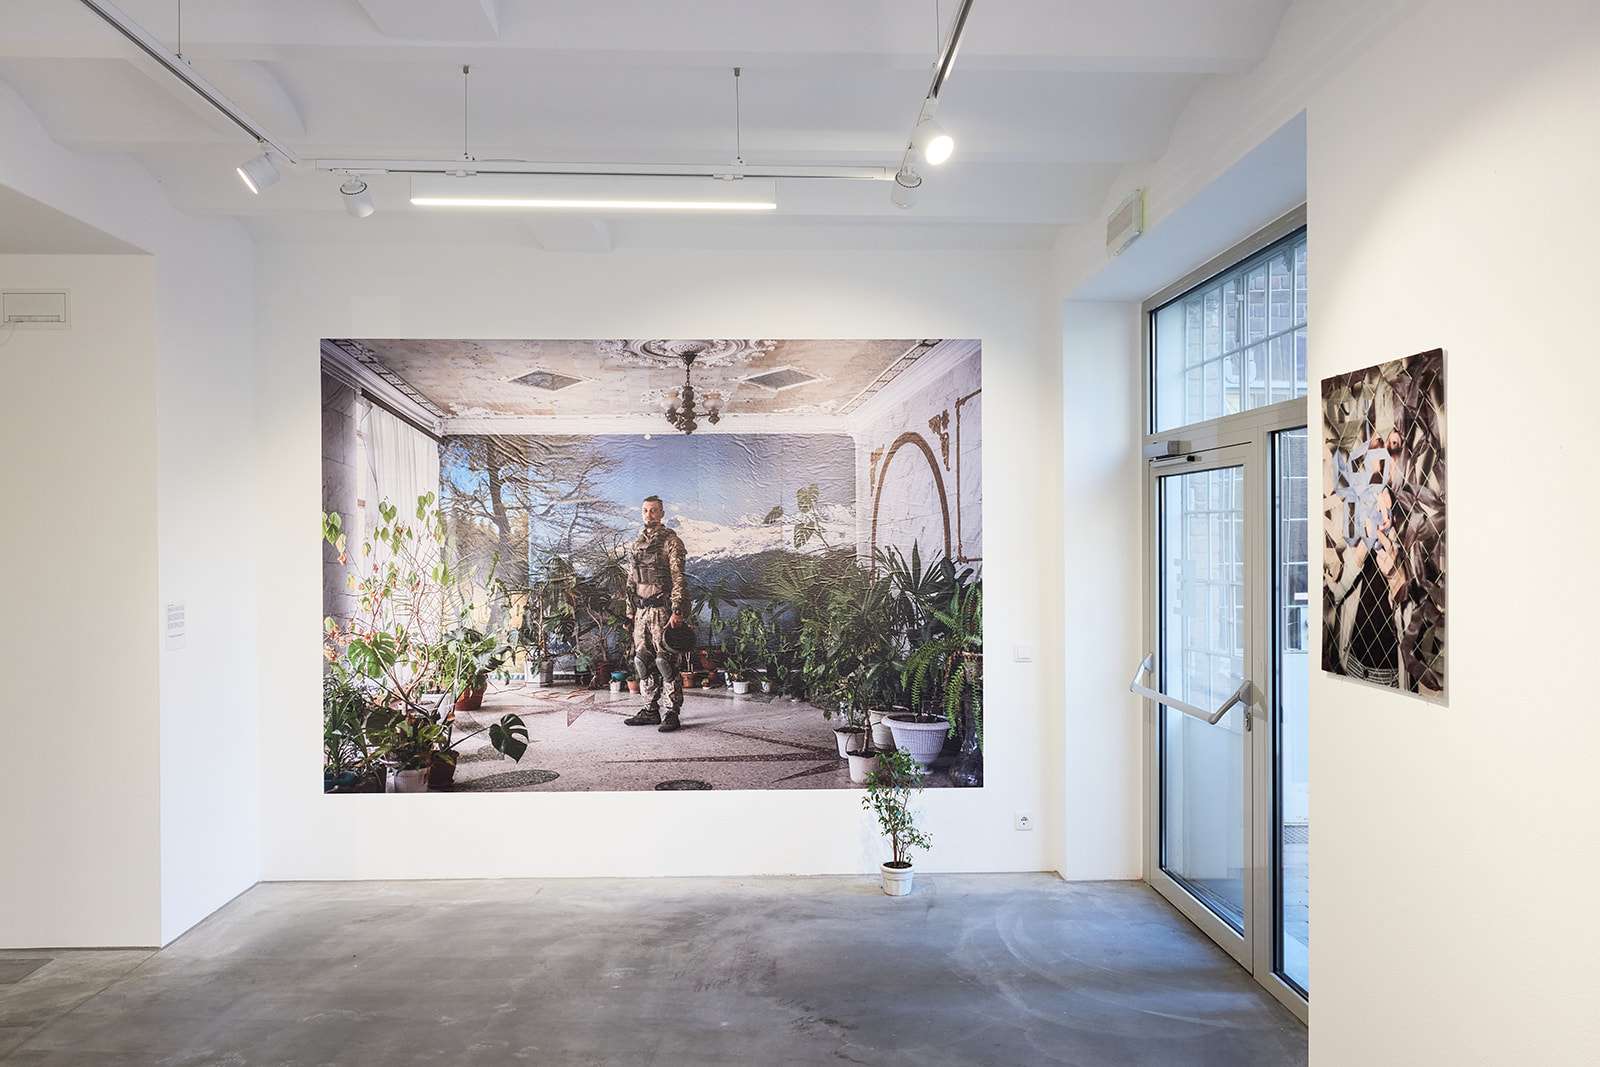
{"x":682,"y":414}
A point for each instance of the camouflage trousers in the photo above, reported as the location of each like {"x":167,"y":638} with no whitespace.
{"x":656,"y":663}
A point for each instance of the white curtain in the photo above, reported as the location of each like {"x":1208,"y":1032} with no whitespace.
{"x":402,"y":464}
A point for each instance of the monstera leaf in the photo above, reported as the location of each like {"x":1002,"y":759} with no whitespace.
{"x":509,"y":736}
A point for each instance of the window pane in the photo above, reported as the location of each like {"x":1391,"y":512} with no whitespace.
{"x":1291,"y":777}
{"x":1233,"y":343}
{"x":1202,"y":816}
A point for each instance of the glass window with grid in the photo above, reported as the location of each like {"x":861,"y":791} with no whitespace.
{"x":1234,"y":342}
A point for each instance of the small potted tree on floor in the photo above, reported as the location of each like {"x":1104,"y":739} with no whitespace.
{"x":889,"y":790}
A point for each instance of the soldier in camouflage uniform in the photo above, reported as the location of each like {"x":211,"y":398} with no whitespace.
{"x":658,"y":597}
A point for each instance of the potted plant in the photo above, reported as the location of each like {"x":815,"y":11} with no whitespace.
{"x":710,"y":602}
{"x":409,"y":748}
{"x":946,"y":671}
{"x":508,"y":735}
{"x":583,"y":669}
{"x":888,"y":797}
{"x":352,"y":726}
{"x":467,"y":657}
{"x":414,"y":634}
{"x":739,"y":673}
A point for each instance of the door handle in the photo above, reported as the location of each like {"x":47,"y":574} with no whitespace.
{"x":1245,"y":694}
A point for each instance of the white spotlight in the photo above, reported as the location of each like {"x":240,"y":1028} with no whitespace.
{"x":907,"y":183}
{"x":357,"y":200}
{"x":258,"y":173}
{"x":931,"y":140}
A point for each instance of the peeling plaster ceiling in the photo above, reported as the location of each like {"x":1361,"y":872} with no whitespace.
{"x":465,"y":381}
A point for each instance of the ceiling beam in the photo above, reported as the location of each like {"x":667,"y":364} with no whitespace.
{"x":435,"y":20}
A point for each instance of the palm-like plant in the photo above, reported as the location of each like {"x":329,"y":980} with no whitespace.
{"x":948,"y":669}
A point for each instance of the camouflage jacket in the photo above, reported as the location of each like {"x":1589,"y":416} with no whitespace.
{"x":656,"y":569}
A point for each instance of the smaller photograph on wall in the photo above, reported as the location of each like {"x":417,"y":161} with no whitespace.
{"x":1383,"y":521}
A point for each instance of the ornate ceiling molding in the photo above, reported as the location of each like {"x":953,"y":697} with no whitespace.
{"x":715,"y":352}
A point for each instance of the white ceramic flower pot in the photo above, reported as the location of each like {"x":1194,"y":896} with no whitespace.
{"x":897,"y":880}
{"x":861,"y":766}
{"x":409,"y":781}
{"x":847,"y":738}
{"x":741,"y":688}
{"x":922,"y":740}
{"x":882,"y":736}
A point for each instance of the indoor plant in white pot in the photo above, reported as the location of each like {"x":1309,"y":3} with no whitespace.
{"x":945,"y":673}
{"x":889,"y":790}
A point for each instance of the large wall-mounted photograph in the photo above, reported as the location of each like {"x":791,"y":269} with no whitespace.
{"x":650,"y":564}
{"x":1383,"y":472}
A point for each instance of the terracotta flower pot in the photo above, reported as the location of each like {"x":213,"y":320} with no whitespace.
{"x":471,"y":699}
{"x":442,"y":770}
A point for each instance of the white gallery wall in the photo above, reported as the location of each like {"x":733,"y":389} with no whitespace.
{"x":79,"y":636}
{"x":1452,"y":204}
{"x":1449,"y":157}
{"x":129,"y":457}
{"x":308,"y":292}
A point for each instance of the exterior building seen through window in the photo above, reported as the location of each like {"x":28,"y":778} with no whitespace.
{"x":1235,"y":342}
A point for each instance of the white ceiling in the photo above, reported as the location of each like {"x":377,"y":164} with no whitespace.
{"x":1047,"y":100}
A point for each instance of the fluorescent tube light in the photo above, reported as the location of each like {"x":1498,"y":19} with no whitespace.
{"x":593,"y":193}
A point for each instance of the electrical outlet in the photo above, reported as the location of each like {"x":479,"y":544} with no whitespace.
{"x":1022,"y":820}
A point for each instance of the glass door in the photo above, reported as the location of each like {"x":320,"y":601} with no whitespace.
{"x":1203,"y":809}
{"x":1229,"y":802}
{"x":1227,"y":523}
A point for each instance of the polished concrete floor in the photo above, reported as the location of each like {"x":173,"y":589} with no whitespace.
{"x":969,"y":969}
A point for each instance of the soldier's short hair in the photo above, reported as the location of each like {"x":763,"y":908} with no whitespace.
{"x":653,"y":499}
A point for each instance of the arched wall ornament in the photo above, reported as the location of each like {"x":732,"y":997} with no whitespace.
{"x":911,"y":438}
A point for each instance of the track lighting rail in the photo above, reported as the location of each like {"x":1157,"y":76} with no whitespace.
{"x":180,"y":69}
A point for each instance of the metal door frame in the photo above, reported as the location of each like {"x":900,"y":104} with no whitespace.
{"x":1243,"y":439}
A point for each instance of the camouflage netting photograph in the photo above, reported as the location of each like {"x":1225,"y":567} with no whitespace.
{"x":1383,"y":515}
{"x":650,"y":564}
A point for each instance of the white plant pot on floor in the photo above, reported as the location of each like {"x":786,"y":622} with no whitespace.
{"x":897,"y":880}
{"x":741,"y":688}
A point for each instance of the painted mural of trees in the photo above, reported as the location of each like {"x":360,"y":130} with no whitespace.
{"x":524,"y":498}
